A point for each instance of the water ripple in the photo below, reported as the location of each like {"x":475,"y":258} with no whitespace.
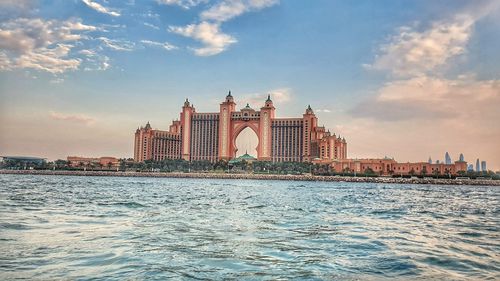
{"x":54,"y":227}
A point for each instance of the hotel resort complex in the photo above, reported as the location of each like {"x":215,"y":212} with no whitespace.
{"x":211,"y":136}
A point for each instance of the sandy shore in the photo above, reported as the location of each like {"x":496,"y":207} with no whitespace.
{"x":257,"y":177}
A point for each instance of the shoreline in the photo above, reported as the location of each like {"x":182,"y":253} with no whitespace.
{"x":476,"y":182}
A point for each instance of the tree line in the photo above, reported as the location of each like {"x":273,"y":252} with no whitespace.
{"x":222,"y":166}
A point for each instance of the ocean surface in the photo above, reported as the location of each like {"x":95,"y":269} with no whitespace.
{"x":65,"y":227}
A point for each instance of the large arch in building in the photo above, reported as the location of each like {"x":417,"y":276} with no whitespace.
{"x":238,"y":127}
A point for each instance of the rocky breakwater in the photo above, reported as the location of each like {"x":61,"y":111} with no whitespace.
{"x":258,"y":177}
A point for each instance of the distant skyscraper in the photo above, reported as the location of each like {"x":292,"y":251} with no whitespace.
{"x":470,"y":167}
{"x":478,"y":168}
{"x":483,"y":166}
{"x":447,"y":158}
{"x":430,"y":160}
{"x":461,"y":158}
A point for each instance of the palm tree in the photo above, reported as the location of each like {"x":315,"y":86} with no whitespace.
{"x":424,"y":171}
{"x":123,"y":164}
{"x":412,"y":172}
{"x":436,"y":173}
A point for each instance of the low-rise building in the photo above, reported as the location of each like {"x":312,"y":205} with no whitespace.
{"x":101,"y":162}
{"x":22,"y":162}
{"x":388,"y":166}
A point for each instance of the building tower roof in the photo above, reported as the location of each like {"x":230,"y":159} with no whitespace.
{"x":309,"y":110}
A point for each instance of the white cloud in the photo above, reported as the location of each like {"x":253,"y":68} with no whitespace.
{"x":117,"y":44}
{"x":323,"y":110}
{"x":411,"y":53}
{"x":103,"y":63}
{"x":433,"y":98}
{"x":54,"y":60}
{"x":436,"y":90}
{"x":209,"y":34}
{"x":167,"y":46}
{"x":151,"y":25}
{"x":186,"y":4}
{"x":40,"y":44}
{"x":87,"y":52}
{"x":94,"y":60}
{"x":278,"y":96}
{"x":281,"y":95}
{"x":208,"y":30}
{"x":100,"y":8}
{"x":228,"y":9}
{"x":75,"y":118}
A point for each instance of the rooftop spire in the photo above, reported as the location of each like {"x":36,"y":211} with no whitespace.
{"x":229,"y":95}
{"x":309,"y":110}
{"x":268,"y":97}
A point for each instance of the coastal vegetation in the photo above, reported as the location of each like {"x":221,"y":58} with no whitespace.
{"x":242,"y":167}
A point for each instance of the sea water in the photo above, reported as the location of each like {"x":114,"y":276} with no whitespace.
{"x":117,"y":228}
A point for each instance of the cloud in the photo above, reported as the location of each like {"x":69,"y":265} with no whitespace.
{"x":87,"y":52}
{"x":151,"y":25}
{"x":278,"y":96}
{"x":323,"y":110}
{"x":186,"y":4}
{"x":167,"y":46}
{"x":23,"y":5}
{"x":281,"y":95}
{"x":101,"y":9}
{"x":95,"y":61}
{"x":117,"y":44}
{"x":419,"y":61}
{"x":15,"y":8}
{"x":228,"y":9}
{"x":74,"y":118}
{"x":208,"y":30}
{"x":208,"y":34}
{"x":57,"y":81}
{"x":432,"y":98}
{"x":40,"y":44}
{"x":410,"y":52}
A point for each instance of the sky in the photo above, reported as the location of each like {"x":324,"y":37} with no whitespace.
{"x":403,"y":79}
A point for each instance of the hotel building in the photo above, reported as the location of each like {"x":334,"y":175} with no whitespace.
{"x":212,"y":136}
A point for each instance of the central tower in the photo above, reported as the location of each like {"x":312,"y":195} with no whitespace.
{"x":232,"y":122}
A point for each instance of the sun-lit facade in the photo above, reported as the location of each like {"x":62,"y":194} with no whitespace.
{"x":389,"y":166}
{"x":212,"y":136}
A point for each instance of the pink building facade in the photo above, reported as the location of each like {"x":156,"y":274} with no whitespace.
{"x":78,"y":161}
{"x":387,"y":166}
{"x":212,"y":136}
